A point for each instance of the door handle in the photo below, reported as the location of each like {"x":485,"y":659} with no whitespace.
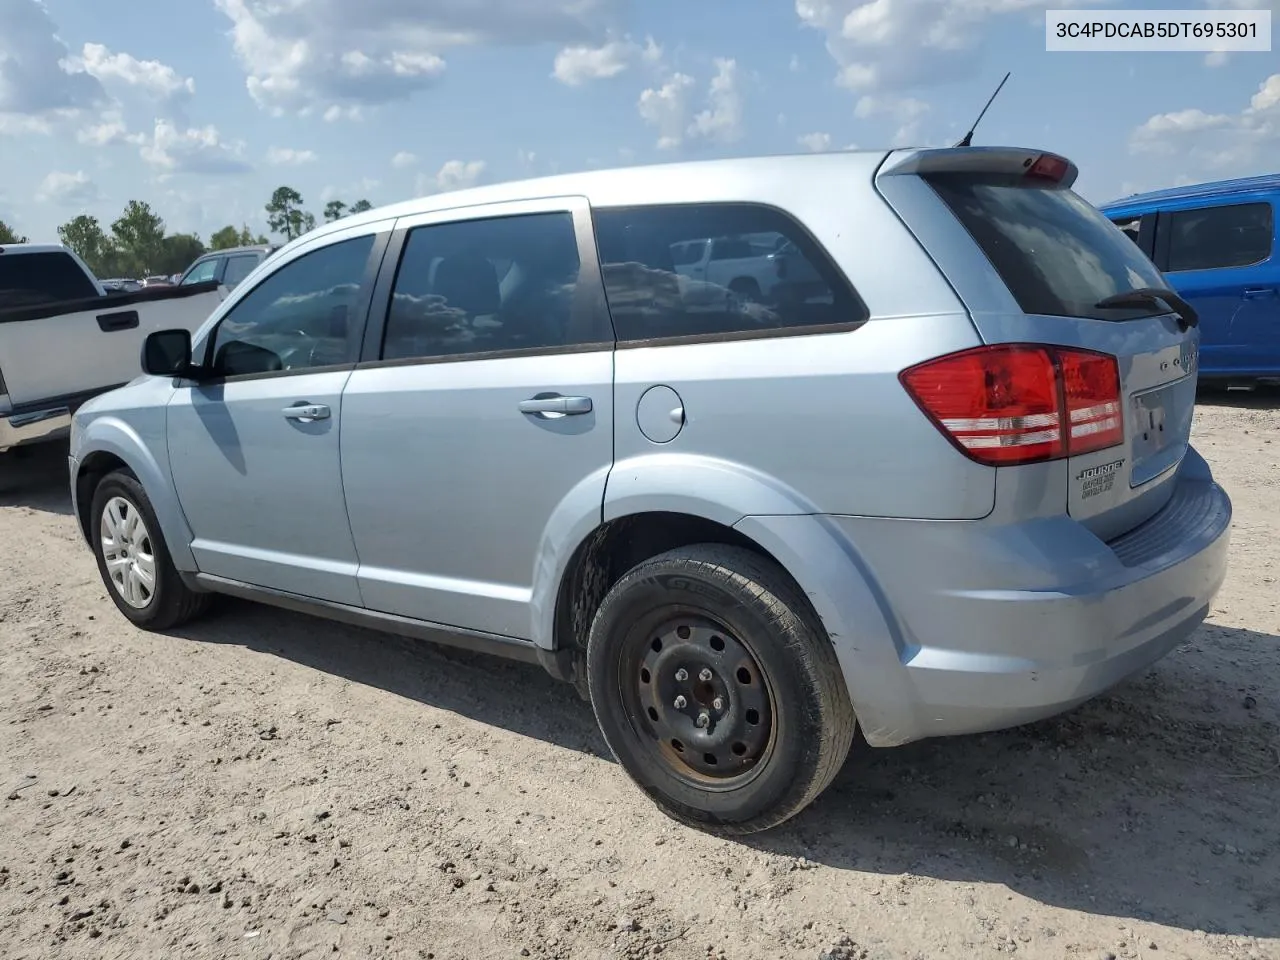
{"x":568,"y":406}
{"x":307,"y":412}
{"x":112,"y":322}
{"x":1259,"y":293}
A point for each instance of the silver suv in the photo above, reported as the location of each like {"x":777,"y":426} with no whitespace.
{"x":943,"y":486}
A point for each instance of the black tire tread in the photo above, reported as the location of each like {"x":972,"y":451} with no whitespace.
{"x":789,"y":616}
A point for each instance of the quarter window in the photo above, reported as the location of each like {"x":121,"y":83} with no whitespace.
{"x":764,"y":274}
{"x":491,"y":285}
{"x":304,"y":315}
{"x":1131,"y":226}
{"x":1229,"y":236}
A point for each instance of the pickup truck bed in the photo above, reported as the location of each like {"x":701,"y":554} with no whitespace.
{"x":56,"y":354}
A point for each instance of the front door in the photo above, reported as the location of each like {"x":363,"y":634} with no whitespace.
{"x":484,"y":415}
{"x":254,"y":449}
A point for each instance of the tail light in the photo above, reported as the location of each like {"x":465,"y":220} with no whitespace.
{"x":1021,"y":403}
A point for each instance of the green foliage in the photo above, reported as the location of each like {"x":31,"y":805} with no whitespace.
{"x":334,"y":210}
{"x":84,"y":236}
{"x":9,"y":235}
{"x":138,"y":237}
{"x":285,"y":214}
{"x":360,"y":206}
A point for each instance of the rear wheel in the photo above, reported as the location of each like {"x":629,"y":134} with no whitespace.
{"x":716,"y":690}
{"x":133,"y":559}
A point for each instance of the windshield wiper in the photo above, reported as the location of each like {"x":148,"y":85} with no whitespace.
{"x":1187,"y":316}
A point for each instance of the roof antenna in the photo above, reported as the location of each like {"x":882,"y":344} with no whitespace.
{"x":968,"y":137}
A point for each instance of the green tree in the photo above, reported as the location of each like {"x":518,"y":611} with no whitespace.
{"x":179,"y":251}
{"x":85,"y":236}
{"x":360,"y":206}
{"x":9,"y":235}
{"x":139,"y":236}
{"x":334,"y":210}
{"x":225,"y":239}
{"x":285,"y":214}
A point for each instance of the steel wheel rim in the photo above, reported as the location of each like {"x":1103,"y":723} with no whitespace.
{"x":128,"y":552}
{"x":695,"y":693}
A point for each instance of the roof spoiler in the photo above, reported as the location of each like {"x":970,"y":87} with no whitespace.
{"x":980,"y":160}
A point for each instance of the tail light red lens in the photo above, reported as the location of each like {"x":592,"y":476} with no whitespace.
{"x":1021,"y":403}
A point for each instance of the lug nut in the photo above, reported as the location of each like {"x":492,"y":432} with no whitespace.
{"x":718,"y":703}
{"x":703,"y":719}
{"x":681,"y":703}
{"x":682,"y":675}
{"x":705,"y":675}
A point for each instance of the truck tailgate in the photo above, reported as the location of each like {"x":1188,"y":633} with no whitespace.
{"x":49,"y":356}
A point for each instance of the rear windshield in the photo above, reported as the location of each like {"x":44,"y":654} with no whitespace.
{"x":27,"y":279}
{"x":1056,"y":253}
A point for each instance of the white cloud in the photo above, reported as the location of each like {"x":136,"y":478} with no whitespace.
{"x":404,"y":160}
{"x":898,"y":44}
{"x":156,"y":80}
{"x":172,"y":149}
{"x":722,"y":120}
{"x":458,"y":174}
{"x":907,"y":112}
{"x":68,"y":189}
{"x":37,"y":77}
{"x":110,"y":132}
{"x":576,"y":65}
{"x":288,"y":157}
{"x":310,"y":56}
{"x":1217,"y":144}
{"x":816,"y":142}
{"x":667,"y":108}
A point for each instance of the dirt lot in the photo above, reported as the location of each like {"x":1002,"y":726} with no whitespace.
{"x":267,"y":785}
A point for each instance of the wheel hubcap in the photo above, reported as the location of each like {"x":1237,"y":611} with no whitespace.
{"x":703,"y":698}
{"x":128,"y":552}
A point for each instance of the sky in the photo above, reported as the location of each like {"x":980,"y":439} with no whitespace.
{"x":203,"y":107}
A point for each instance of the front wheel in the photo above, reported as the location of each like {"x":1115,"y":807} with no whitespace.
{"x":716,"y":690}
{"x":133,"y":559}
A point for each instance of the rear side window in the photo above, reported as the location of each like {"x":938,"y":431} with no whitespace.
{"x":1236,"y":235}
{"x":1132,"y":227}
{"x":489,"y":286}
{"x":765,"y":274}
{"x":27,"y":279}
{"x":238,"y":268}
{"x":1057,"y":254}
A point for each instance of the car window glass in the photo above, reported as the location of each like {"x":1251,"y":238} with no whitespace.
{"x":1131,"y":226}
{"x":202,"y":272}
{"x":479,"y":286}
{"x":1228,"y":236}
{"x":238,"y":268}
{"x":301,"y":316}
{"x":31,"y":278}
{"x":765,"y":273}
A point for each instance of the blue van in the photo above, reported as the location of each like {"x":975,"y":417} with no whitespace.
{"x":1216,"y":243}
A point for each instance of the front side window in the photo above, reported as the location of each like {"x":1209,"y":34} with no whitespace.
{"x":202,"y":272}
{"x":304,"y":315}
{"x":1236,"y":235}
{"x":764,"y":274}
{"x":486,"y":286}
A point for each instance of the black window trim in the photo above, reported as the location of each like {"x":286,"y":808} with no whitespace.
{"x":1146,"y":229}
{"x":1164,"y":235}
{"x":824,"y":265}
{"x":372,"y":270}
{"x":588,"y":297}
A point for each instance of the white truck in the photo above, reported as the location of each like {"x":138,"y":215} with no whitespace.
{"x":64,"y":339}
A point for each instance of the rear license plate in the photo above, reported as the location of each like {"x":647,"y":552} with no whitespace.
{"x":1156,"y":428}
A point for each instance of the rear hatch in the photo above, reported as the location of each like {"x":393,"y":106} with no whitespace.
{"x":1038,"y":265}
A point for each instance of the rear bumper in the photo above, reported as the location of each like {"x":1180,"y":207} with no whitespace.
{"x":34,"y":426}
{"x":985,"y":626}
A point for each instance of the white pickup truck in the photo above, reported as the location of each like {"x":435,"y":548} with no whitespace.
{"x":63,"y":339}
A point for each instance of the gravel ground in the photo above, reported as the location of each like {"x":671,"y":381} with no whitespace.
{"x":263,"y":784}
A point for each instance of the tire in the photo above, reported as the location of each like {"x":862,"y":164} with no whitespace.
{"x":169,"y":602}
{"x":737,"y":615}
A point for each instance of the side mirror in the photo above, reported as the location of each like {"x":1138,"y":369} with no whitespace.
{"x":167,"y":353}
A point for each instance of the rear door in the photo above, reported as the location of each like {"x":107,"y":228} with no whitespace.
{"x":482,"y":413}
{"x":1222,"y":258}
{"x":1034,"y":261}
